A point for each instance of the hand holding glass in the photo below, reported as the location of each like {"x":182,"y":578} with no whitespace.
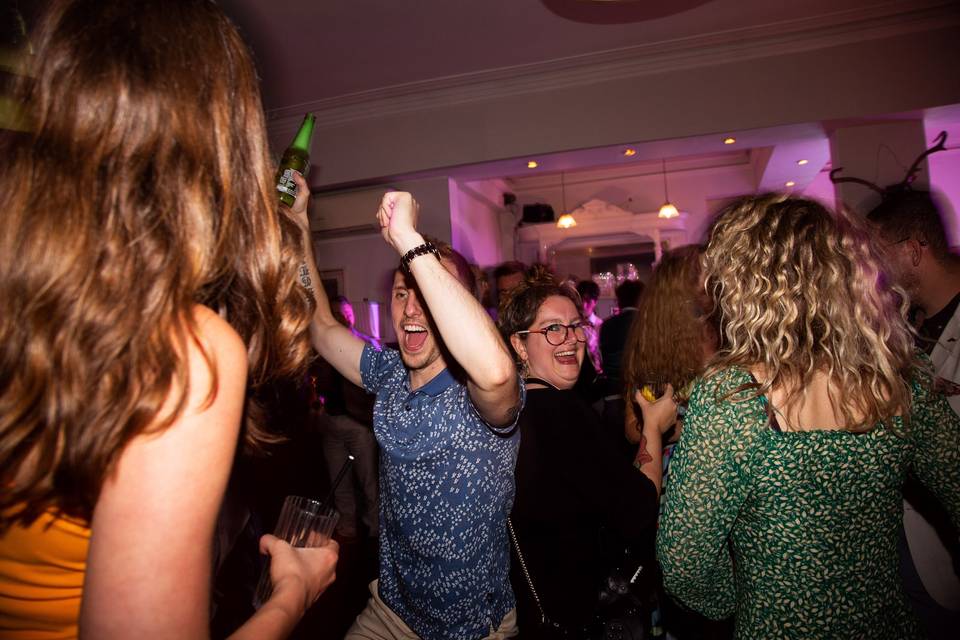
{"x":303,"y":523}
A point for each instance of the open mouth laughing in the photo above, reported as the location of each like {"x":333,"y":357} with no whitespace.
{"x":414,"y":335}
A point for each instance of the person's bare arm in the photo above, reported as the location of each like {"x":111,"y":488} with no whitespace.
{"x":149,"y":563}
{"x":299,"y":577}
{"x":658,"y":417}
{"x":467,"y":331}
{"x":333,"y":341}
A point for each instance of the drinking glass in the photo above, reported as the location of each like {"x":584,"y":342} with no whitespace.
{"x":303,"y":522}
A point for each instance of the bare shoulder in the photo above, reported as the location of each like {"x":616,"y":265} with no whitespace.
{"x":218,"y":354}
{"x":216,"y":332}
{"x":156,"y":513}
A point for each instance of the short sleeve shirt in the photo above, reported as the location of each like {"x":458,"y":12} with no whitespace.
{"x":446,"y":488}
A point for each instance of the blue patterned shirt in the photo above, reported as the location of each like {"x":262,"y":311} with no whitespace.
{"x":446,"y":488}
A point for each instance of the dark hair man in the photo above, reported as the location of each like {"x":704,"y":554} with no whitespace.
{"x":448,"y":447}
{"x":914,"y":243}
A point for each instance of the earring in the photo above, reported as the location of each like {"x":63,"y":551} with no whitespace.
{"x":524,"y":369}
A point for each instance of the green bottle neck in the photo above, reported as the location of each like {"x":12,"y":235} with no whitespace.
{"x":302,"y":141}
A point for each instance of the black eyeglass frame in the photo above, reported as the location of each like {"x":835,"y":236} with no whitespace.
{"x":567,"y":328}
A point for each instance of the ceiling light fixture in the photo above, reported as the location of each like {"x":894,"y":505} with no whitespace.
{"x":532,"y":164}
{"x":789,"y":183}
{"x":729,"y":140}
{"x":629,"y":152}
{"x":566,"y":220}
{"x":667,"y":210}
{"x":802,"y":162}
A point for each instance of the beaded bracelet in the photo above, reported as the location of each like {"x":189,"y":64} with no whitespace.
{"x":417,"y":251}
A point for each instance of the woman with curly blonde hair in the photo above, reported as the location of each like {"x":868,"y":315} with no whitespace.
{"x":149,"y":288}
{"x":784,"y":503}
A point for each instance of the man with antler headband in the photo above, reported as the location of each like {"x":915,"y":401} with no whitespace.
{"x":914,"y":241}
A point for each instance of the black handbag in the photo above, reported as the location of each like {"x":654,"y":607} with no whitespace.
{"x":621,"y":613}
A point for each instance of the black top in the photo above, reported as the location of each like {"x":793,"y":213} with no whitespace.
{"x":613,"y":338}
{"x":342,"y":397}
{"x":932,"y":328}
{"x":570,"y":484}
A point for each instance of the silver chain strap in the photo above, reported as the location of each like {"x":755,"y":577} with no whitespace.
{"x":526,"y":574}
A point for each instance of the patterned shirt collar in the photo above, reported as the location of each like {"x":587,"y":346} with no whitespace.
{"x":437,"y":384}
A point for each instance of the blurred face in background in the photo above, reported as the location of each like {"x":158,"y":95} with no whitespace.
{"x":588,"y":306}
{"x":346,"y":309}
{"x":508,"y":282}
{"x":902,"y":258}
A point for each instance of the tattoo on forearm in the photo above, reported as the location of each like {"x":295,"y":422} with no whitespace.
{"x":307,"y":282}
{"x":643,"y":456}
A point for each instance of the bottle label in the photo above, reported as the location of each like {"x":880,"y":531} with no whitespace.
{"x":286,"y":184}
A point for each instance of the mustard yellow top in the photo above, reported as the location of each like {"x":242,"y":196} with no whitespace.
{"x":41,"y":578}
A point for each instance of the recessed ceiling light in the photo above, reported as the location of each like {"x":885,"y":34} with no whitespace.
{"x":789,"y":183}
{"x":532,"y":164}
{"x":729,"y":140}
{"x":802,"y":162}
{"x":629,"y":152}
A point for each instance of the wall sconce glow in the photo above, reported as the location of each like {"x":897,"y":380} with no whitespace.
{"x":532,"y":164}
{"x":667,"y":210}
{"x":789,"y":183}
{"x":566,"y":221}
{"x":802,"y":162}
{"x":629,"y":153}
{"x":729,"y":140}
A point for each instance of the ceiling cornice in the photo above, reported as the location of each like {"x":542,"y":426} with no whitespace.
{"x":779,"y":38}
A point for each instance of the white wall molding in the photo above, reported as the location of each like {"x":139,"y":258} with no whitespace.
{"x":817,"y":32}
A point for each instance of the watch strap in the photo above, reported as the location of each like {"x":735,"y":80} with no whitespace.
{"x":416,"y":252}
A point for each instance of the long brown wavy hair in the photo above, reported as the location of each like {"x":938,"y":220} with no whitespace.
{"x":798,"y":290}
{"x":144,"y":188}
{"x":667,"y":337}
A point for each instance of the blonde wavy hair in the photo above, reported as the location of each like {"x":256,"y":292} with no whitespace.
{"x":799,"y":290}
{"x":144,"y":188}
{"x":668,"y":334}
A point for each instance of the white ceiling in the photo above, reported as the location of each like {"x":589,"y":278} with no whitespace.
{"x":319,"y":49}
{"x":344,"y":52}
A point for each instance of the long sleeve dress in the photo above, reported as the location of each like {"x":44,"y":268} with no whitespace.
{"x":796,"y":532}
{"x":570,"y":483}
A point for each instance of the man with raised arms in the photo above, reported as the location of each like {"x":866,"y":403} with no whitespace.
{"x":445,"y":416}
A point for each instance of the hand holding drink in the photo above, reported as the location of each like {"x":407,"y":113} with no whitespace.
{"x":303,"y":523}
{"x":656,"y":404}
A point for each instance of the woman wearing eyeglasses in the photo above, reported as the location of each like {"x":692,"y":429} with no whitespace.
{"x":573,"y":489}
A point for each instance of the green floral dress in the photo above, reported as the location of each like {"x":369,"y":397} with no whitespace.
{"x":796,"y":532}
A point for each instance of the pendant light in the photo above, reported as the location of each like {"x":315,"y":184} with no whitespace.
{"x":566,"y":220}
{"x":667,"y":210}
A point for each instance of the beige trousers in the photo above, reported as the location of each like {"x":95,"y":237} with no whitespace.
{"x":378,"y":622}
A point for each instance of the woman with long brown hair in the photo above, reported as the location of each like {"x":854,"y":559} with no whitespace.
{"x":785,"y":498}
{"x":669,"y":343}
{"x":149,"y":288}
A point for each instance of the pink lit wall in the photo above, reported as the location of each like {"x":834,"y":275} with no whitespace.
{"x":475,"y":211}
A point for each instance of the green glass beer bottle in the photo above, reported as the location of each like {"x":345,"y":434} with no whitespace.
{"x":295,"y":158}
